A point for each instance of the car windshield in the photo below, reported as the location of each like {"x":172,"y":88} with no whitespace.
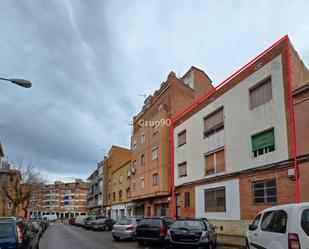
{"x":305,"y":221}
{"x":124,"y":222}
{"x":6,"y":230}
{"x":188,"y":224}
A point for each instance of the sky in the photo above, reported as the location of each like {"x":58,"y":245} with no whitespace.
{"x":89,"y":62}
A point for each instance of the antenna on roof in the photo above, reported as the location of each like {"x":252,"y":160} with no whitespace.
{"x":129,"y":122}
{"x":142,"y":95}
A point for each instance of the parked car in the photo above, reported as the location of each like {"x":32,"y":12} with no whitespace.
{"x":125,"y":228}
{"x":13,"y":234}
{"x":87,"y":223}
{"x":35,"y":235}
{"x":191,"y":233}
{"x":72,"y":221}
{"x":41,"y":223}
{"x":280,"y":227}
{"x":151,"y":230}
{"x":105,"y":224}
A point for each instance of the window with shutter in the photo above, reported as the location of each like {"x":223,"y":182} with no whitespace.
{"x":182,"y":138}
{"x":261,"y":93}
{"x":215,"y":200}
{"x":182,"y":168}
{"x":263,"y":143}
{"x":213,"y":123}
{"x":215,"y":162}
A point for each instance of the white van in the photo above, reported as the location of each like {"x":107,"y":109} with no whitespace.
{"x":79,"y":219}
{"x":50,"y":217}
{"x":280,"y":227}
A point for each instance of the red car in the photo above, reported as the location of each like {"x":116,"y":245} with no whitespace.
{"x":72,"y":221}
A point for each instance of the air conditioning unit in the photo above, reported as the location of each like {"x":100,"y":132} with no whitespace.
{"x":129,"y":173}
{"x":133,"y":170}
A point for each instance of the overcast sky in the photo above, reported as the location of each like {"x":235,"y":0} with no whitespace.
{"x":89,"y":61}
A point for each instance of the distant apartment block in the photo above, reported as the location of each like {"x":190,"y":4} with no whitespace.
{"x":63,"y":199}
{"x":150,"y":140}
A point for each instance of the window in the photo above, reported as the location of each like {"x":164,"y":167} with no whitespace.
{"x":213,"y":123}
{"x":264,"y":192}
{"x":260,"y":94}
{"x":133,"y":186}
{"x":215,"y":200}
{"x":134,"y":145}
{"x":143,"y":137}
{"x":256,"y":222}
{"x":109,"y":182}
{"x":120,"y":179}
{"x":274,"y":221}
{"x":142,"y":182}
{"x":187,"y":199}
{"x":154,"y":153}
{"x":305,"y":221}
{"x":128,"y":192}
{"x":120,"y":195}
{"x":134,"y":166}
{"x":143,"y":159}
{"x":155,"y":179}
{"x":155,"y":129}
{"x":10,"y":206}
{"x":114,"y":196}
{"x":181,"y":138}
{"x":109,"y":196}
{"x":182,"y":169}
{"x":215,"y":163}
{"x":263,"y":143}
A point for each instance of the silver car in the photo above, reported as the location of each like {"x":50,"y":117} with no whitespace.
{"x":125,"y":228}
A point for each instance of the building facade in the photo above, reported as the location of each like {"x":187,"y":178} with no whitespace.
{"x":234,"y":151}
{"x":66,"y":200}
{"x":116,"y":158}
{"x":121,"y":183}
{"x":95,"y":190}
{"x":150,"y":141}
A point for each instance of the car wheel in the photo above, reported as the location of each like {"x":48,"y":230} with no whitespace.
{"x":116,"y":238}
{"x":141,"y":243}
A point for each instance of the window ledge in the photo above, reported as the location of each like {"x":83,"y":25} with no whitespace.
{"x":215,"y":174}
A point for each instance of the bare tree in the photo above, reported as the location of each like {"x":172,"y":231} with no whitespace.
{"x":20,"y":191}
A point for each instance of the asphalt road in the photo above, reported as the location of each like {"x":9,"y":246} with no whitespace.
{"x":64,"y":236}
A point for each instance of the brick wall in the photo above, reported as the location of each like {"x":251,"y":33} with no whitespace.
{"x":285,"y":191}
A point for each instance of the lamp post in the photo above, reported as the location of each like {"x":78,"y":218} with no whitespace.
{"x":20,"y":82}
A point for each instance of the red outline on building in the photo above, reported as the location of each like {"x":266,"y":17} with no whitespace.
{"x":195,"y":103}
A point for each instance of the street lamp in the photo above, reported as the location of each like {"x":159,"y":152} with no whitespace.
{"x":20,"y":82}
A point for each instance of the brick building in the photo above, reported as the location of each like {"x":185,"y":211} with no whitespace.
{"x":121,"y":183}
{"x":96,"y":192}
{"x":117,"y":157}
{"x":63,"y":199}
{"x":150,"y":141}
{"x":234,"y":151}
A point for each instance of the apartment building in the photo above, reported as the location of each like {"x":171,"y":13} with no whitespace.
{"x":95,"y":190}
{"x":121,"y":183}
{"x":8,"y":179}
{"x":63,"y":199}
{"x":116,"y":158}
{"x":233,"y":150}
{"x":150,"y":141}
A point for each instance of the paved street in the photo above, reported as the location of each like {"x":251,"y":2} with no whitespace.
{"x":65,"y":236}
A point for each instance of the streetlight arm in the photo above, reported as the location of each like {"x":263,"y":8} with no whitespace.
{"x":20,"y":82}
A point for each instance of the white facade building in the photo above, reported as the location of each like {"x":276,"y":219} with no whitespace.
{"x":236,"y":144}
